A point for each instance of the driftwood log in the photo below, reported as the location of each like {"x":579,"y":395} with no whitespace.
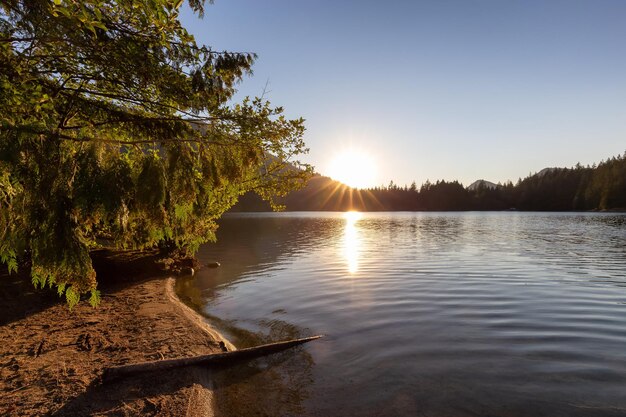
{"x":223,"y":358}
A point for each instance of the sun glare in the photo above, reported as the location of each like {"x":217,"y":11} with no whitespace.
{"x":352,"y":243}
{"x":353,"y":168}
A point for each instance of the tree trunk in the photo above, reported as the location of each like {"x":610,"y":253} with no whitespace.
{"x":225,"y":358}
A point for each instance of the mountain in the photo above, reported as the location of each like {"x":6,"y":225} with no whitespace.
{"x":482,"y":184}
{"x":547,"y":171}
{"x":319,"y":194}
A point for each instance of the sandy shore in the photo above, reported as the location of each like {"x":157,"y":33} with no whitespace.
{"x":51,"y":359}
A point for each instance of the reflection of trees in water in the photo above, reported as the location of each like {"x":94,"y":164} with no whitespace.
{"x":276,"y":385}
{"x":248,"y":246}
{"x":423,"y":229}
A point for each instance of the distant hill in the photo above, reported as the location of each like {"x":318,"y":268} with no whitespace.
{"x":482,"y":184}
{"x":320,"y":194}
{"x":547,"y":171}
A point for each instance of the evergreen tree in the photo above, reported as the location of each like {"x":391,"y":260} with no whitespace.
{"x":117,"y":129}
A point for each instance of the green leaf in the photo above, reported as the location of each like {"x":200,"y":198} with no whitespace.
{"x":12,"y":265}
{"x":61,"y":289}
{"x":72,"y":297}
{"x":110,"y":159}
{"x":94,"y":298}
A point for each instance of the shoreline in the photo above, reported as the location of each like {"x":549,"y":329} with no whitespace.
{"x":193,"y":316}
{"x":51,"y":359}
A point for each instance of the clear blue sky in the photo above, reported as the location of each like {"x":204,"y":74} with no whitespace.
{"x":438,"y":89}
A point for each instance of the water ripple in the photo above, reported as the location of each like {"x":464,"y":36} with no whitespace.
{"x":445,"y":314}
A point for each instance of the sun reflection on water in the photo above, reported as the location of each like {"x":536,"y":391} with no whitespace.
{"x":352,"y":243}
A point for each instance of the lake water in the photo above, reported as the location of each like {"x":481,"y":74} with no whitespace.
{"x":425,"y":314}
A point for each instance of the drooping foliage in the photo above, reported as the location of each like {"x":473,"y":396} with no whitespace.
{"x":117,"y":129}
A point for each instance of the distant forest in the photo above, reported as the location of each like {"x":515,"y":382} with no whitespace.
{"x":601,"y":187}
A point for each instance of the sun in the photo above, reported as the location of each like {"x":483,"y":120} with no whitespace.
{"x":354,"y":168}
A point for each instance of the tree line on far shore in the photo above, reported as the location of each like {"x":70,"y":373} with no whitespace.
{"x":580,"y":188}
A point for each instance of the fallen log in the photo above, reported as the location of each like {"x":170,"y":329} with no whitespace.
{"x":223,"y":358}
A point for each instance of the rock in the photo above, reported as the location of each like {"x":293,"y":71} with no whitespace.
{"x":213,"y":264}
{"x":186,"y":270}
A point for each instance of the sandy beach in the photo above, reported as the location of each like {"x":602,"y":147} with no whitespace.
{"x":51,"y":358}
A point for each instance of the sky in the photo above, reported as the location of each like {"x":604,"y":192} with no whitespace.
{"x":453,"y":90}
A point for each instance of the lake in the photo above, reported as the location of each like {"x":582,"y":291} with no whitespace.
{"x":425,"y":314}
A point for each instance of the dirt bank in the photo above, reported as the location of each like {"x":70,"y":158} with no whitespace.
{"x":51,"y":358}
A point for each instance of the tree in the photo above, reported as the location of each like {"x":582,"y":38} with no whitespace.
{"x":117,"y":130}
